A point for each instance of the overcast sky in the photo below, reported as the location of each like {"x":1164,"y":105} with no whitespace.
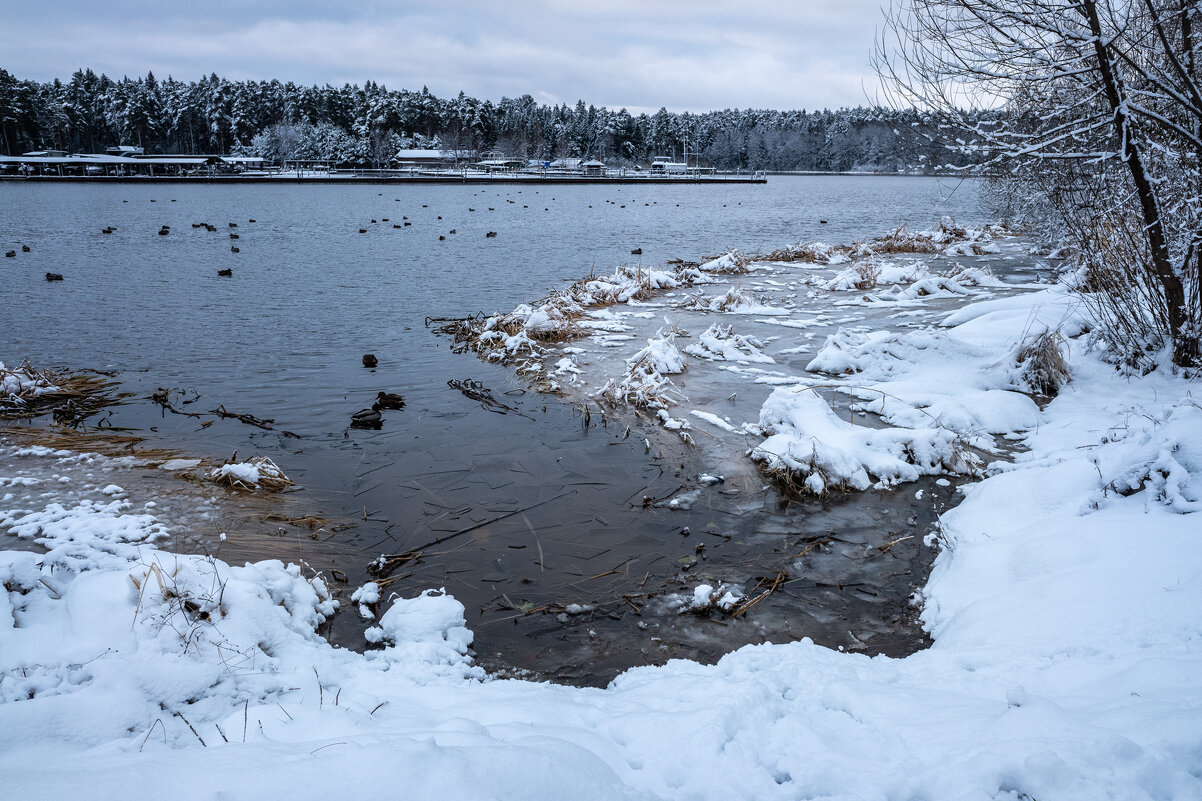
{"x":687,"y":56}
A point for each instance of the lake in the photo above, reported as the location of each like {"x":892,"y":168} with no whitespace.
{"x":543,"y":510}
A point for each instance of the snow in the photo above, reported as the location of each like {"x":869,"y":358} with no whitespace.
{"x":242,"y":471}
{"x":661,"y":355}
{"x":22,"y":382}
{"x":1065,"y":607}
{"x":720,"y":343}
{"x":807,"y":441}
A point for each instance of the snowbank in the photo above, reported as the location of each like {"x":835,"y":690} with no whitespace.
{"x":809,"y":445}
{"x":1065,"y":606}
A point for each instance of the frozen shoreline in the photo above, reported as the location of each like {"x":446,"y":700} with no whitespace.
{"x":1064,"y":605}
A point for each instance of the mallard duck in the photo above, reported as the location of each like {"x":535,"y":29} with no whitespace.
{"x":367,"y":418}
{"x":369,"y":360}
{"x":390,"y":400}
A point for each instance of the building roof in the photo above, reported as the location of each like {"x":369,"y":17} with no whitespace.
{"x":423,"y":153}
{"x":103,"y":158}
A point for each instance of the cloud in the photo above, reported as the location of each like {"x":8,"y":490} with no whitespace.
{"x":642,"y":55}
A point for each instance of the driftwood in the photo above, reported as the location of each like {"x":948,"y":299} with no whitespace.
{"x":483,"y":395}
{"x":251,"y":420}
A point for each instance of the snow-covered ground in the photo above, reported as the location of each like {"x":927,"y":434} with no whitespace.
{"x":1065,"y":607}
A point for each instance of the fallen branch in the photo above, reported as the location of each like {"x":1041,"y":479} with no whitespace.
{"x":251,"y":420}
{"x":386,"y":565}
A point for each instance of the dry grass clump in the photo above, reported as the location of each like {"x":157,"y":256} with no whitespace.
{"x":867,"y":273}
{"x":27,"y":392}
{"x":733,"y":262}
{"x":903,"y":240}
{"x":258,"y":473}
{"x":900,"y":240}
{"x":736,"y":298}
{"x":1042,"y":362}
{"x":809,"y":252}
{"x":642,"y":387}
{"x":971,"y":276}
{"x":809,"y":480}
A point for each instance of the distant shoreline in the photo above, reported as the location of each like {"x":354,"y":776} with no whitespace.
{"x":409,"y":179}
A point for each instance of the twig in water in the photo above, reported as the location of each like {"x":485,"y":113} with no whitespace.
{"x":780,"y":577}
{"x":251,"y":420}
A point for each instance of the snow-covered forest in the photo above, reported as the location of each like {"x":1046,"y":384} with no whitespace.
{"x":365,"y":125}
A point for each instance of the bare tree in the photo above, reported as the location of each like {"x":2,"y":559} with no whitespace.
{"x":1099,"y":113}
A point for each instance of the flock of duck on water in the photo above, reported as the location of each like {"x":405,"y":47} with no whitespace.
{"x":373,"y":418}
{"x":364,"y":418}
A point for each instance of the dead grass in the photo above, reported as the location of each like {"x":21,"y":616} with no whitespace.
{"x":642,"y":387}
{"x":70,"y":398}
{"x":103,"y":442}
{"x":867,"y":273}
{"x":807,"y":252}
{"x":270,"y":477}
{"x":1042,"y":361}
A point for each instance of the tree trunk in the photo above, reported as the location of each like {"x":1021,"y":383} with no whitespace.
{"x":1183,"y":337}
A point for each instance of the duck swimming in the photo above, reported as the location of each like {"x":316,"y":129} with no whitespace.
{"x":367,"y":418}
{"x":390,"y":400}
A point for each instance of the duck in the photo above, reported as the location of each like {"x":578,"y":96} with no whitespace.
{"x":226,"y":273}
{"x":636,"y":252}
{"x":390,"y":400}
{"x":53,"y":277}
{"x":234,"y":249}
{"x":367,"y":418}
{"x":370,"y":360}
{"x":25,"y":248}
